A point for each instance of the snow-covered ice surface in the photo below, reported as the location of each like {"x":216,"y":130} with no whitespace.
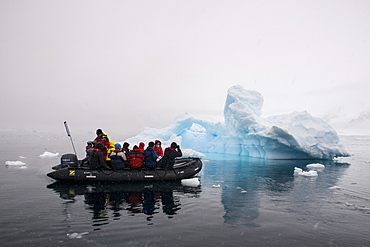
{"x":47,"y":154}
{"x":245,"y":132}
{"x":316,"y":167}
{"x":300,"y":172}
{"x":18,"y":164}
{"x":190,"y":182}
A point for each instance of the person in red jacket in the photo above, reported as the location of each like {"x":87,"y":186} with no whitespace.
{"x":136,"y":158}
{"x":158,"y":148}
{"x":141,"y":147}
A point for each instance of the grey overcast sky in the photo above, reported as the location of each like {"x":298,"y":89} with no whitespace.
{"x":124,"y":65}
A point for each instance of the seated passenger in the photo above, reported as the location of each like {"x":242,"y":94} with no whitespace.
{"x":110,"y":150}
{"x":136,"y":158}
{"x":89,"y":148}
{"x":125,"y":149}
{"x":169,"y":156}
{"x":102,"y":138}
{"x":158,"y":148}
{"x":150,"y":156}
{"x":141,"y":146}
{"x":96,"y":157}
{"x":117,"y":157}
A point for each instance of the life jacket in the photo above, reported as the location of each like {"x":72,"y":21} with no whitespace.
{"x":136,"y":158}
{"x":89,"y":149}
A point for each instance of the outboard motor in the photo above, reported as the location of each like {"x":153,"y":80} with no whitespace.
{"x":68,"y":160}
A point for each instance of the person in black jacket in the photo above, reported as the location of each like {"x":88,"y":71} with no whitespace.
{"x":96,"y":157}
{"x":169,"y":156}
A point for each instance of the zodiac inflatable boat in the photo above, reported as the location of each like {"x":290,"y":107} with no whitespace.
{"x":73,"y":170}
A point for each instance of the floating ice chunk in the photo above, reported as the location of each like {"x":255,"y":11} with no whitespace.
{"x":309,"y":174}
{"x":191,"y":182}
{"x":76,"y":235}
{"x":315,"y":167}
{"x":297,"y":170}
{"x":300,"y":172}
{"x":334,"y":188}
{"x":216,"y":186}
{"x":47,"y":154}
{"x":18,"y":163}
{"x":22,"y":157}
{"x":191,"y":153}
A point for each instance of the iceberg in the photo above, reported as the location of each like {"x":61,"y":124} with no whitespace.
{"x":245,"y":132}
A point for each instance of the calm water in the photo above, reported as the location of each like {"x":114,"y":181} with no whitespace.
{"x":241,"y":202}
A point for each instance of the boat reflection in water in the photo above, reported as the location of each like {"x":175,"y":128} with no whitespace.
{"x":147,"y":198}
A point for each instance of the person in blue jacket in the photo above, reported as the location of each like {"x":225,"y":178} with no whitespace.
{"x":150,"y":156}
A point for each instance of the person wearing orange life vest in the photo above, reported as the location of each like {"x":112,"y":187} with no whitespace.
{"x":136,"y":158}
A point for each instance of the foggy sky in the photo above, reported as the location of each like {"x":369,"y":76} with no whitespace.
{"x":124,"y":65}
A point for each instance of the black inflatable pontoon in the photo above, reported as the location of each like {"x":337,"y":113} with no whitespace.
{"x":72,"y":170}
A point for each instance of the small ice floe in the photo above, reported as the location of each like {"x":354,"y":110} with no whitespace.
{"x":334,"y":188}
{"x":191,"y":182}
{"x":47,"y":154}
{"x":364,"y":209}
{"x":18,"y":164}
{"x":315,"y":167}
{"x":216,"y":186}
{"x":300,"y":172}
{"x":76,"y":235}
{"x":343,"y":159}
{"x":241,"y":190}
{"x":22,"y":157}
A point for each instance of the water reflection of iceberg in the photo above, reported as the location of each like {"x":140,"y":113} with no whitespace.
{"x":147,"y":198}
{"x":250,"y":183}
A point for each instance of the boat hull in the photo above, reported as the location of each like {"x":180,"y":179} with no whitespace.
{"x":183,"y":168}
